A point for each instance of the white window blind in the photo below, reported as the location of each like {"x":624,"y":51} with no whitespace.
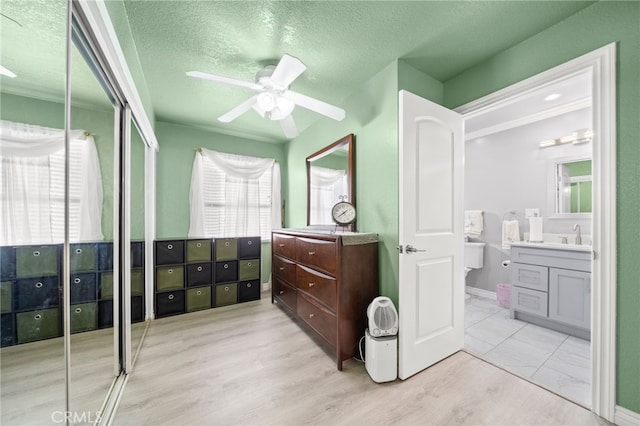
{"x":235,"y":195}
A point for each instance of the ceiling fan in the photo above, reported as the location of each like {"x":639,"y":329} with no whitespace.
{"x":275,"y":101}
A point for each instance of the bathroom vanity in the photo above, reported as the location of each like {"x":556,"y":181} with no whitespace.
{"x":551,"y":286}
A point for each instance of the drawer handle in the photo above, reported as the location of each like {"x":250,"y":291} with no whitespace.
{"x":198,"y":245}
{"x":281,"y":245}
{"x":36,"y":253}
{"x":170,"y":271}
{"x":312,"y":284}
{"x":199,"y":268}
{"x":281,"y":292}
{"x":226,"y":288}
{"x":39,"y":285}
{"x":248,"y":263}
{"x":249,"y":242}
{"x":170,"y":246}
{"x":249,"y":285}
{"x":171,"y":296}
{"x":199,"y":293}
{"x":226,"y":266}
{"x":312,"y":315}
{"x":78,"y":250}
{"x":312,"y":253}
{"x":78,"y":310}
{"x":37,"y":317}
{"x":282,"y":268}
{"x":77,"y":281}
{"x":226,"y":244}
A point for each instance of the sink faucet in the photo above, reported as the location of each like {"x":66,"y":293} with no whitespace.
{"x":576,"y":227}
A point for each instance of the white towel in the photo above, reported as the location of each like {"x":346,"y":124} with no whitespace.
{"x":510,"y":233}
{"x":473,"y":223}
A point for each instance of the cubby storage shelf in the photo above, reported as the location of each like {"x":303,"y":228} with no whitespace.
{"x":199,"y":273}
{"x":32,"y":296}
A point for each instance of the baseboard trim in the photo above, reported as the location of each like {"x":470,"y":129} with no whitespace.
{"x":485,"y":294}
{"x":624,"y":417}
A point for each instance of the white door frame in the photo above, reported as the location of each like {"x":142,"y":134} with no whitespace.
{"x":602,"y":63}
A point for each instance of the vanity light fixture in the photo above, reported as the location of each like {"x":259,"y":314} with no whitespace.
{"x":7,"y":72}
{"x":575,"y":138}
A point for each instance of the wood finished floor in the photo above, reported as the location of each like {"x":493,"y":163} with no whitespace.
{"x":249,"y":364}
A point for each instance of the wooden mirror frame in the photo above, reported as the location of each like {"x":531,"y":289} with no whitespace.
{"x":350,"y":142}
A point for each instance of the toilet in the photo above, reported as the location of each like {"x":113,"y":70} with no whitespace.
{"x":473,"y":256}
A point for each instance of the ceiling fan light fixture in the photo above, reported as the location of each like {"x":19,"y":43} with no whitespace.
{"x":285,"y":106}
{"x":266,"y":101}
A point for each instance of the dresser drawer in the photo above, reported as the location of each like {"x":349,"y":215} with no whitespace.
{"x":284,"y":245}
{"x":36,"y":293}
{"x":169,"y":252}
{"x":321,"y":320}
{"x":169,"y":278}
{"x":284,"y":268}
{"x":7,"y":330}
{"x":318,"y":254}
{"x":248,"y":269}
{"x":198,"y":251}
{"x":169,"y":303}
{"x":226,"y":249}
{"x":530,"y":276}
{"x":6,"y":297}
{"x":38,"y":325}
{"x":226,"y":294}
{"x":285,"y":294}
{"x":37,"y":261}
{"x":248,"y":290}
{"x":530,"y":301}
{"x":199,"y":274}
{"x":198,"y":298}
{"x":249,"y":247}
{"x":84,"y":317}
{"x":226,"y":271}
{"x":318,"y":285}
{"x":83,"y":257}
{"x":83,"y":288}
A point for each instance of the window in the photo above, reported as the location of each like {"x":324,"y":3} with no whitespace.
{"x":32,"y":186}
{"x":234,"y":195}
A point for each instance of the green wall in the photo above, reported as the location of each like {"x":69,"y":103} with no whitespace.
{"x":100,"y":123}
{"x":587,"y":30}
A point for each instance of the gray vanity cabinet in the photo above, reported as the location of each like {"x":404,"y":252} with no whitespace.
{"x":551,"y":287}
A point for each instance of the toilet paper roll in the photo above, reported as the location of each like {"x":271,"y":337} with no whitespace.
{"x":535,"y":229}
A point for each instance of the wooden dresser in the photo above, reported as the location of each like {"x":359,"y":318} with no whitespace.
{"x":326,"y":281}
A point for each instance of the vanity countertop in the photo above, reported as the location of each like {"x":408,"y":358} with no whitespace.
{"x":553,"y":246}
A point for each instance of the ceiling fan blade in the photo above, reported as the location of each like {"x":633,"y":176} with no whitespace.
{"x":287,"y":70}
{"x":239,"y":110}
{"x":315,"y":105}
{"x":289,"y":127}
{"x":226,"y":80}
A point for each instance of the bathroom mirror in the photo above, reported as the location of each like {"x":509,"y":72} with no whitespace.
{"x":571,"y":187}
{"x":330,"y":179}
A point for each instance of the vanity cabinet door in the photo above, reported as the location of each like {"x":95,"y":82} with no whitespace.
{"x":570,"y":297}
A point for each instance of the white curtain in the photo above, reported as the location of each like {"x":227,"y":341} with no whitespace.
{"x":239,"y":190}
{"x":327,"y":187}
{"x":32,"y":185}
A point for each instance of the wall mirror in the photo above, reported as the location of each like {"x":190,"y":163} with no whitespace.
{"x":570,"y":187}
{"x":330,"y":179}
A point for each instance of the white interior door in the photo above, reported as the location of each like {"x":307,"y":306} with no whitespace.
{"x":431,"y":291}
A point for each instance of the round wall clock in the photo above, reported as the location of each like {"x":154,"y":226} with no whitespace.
{"x":343,"y":213}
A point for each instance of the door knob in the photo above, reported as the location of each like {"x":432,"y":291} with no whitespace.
{"x":411,"y":249}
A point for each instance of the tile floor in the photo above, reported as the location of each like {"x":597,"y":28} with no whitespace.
{"x":556,"y":361}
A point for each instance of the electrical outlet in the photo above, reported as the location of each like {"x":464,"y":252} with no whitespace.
{"x":531,"y":213}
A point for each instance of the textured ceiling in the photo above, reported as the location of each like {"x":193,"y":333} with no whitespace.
{"x":342,"y":43}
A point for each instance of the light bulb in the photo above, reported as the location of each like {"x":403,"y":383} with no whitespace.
{"x":266,"y":101}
